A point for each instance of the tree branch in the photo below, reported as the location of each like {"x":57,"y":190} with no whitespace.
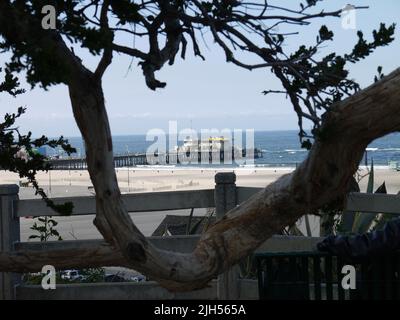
{"x":130,"y":51}
{"x":89,"y":256}
{"x":108,"y":50}
{"x":321,"y":179}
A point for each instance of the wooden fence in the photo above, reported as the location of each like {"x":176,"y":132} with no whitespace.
{"x":225,"y":196}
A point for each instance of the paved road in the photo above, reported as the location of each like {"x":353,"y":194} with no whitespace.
{"x":81,"y":227}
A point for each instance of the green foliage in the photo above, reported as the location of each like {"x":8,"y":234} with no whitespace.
{"x":126,"y":11}
{"x":306,"y":144}
{"x":45,"y":230}
{"x":189,"y":228}
{"x":17,"y":151}
{"x":91,"y":275}
{"x":335,"y":221}
{"x":36,"y":279}
{"x":192,"y":229}
{"x":309,"y":3}
{"x":248,"y":267}
{"x":371,"y":176}
{"x":361,"y":222}
{"x":324,"y":34}
{"x":362,"y":49}
{"x":38,"y":56}
{"x":220,"y":9}
{"x":10,"y":84}
{"x":317,"y":85}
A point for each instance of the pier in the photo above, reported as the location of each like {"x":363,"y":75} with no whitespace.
{"x":169,"y":158}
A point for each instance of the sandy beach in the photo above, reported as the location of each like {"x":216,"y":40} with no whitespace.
{"x":77,"y":183}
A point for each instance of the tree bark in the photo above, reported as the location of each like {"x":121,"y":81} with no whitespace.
{"x":322,"y":178}
{"x":83,"y":257}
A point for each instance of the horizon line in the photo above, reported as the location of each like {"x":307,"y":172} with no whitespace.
{"x":143,"y":134}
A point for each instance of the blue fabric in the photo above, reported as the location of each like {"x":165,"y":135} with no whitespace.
{"x":364,"y":246}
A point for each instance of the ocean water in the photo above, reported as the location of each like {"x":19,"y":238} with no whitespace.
{"x":280,"y":148}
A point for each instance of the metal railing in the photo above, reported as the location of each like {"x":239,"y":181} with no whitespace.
{"x":318,"y":276}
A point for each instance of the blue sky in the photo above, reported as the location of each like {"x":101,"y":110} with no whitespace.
{"x":210,"y":94}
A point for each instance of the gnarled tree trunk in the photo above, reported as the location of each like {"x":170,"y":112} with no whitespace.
{"x":322,"y":178}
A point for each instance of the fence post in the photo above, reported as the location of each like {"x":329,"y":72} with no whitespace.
{"x":9,"y":234}
{"x":225,"y":200}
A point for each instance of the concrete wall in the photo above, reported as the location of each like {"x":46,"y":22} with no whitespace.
{"x":248,"y":289}
{"x":111,"y":291}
